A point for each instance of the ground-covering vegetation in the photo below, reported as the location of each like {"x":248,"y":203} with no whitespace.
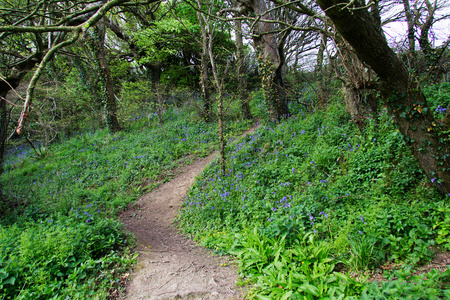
{"x":61,"y":240}
{"x":349,"y":174}
{"x":312,"y":205}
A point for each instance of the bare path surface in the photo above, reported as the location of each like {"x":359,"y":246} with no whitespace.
{"x":171,"y":266}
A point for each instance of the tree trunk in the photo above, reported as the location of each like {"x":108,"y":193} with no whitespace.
{"x":219,"y":87}
{"x":356,"y":104}
{"x":360,"y":101}
{"x":270,"y":65}
{"x":4,"y":121}
{"x":410,"y":22}
{"x":403,"y":96}
{"x":12,"y":82}
{"x":107,"y":85}
{"x":204,"y":75}
{"x":322,"y":95}
{"x":243,"y":93}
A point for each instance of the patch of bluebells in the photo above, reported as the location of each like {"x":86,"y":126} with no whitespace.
{"x":441,"y":110}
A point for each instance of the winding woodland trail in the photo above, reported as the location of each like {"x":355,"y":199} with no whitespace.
{"x":171,"y":266}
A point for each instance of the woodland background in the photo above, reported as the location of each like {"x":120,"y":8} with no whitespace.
{"x":349,"y":174}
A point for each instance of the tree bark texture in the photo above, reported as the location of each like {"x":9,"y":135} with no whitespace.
{"x":410,"y":22}
{"x":429,"y":143}
{"x":219,"y":87}
{"x":108,"y":99}
{"x":270,"y":64}
{"x":204,"y":73}
{"x":359,"y":99}
{"x":322,"y":93}
{"x":4,"y":121}
{"x":243,"y":93}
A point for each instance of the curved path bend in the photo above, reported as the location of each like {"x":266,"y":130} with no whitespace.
{"x":171,"y":266}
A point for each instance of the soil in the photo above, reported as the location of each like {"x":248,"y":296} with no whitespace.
{"x":171,"y":266}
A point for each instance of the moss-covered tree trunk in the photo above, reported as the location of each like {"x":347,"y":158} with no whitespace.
{"x":270,"y":64}
{"x":106,"y":85}
{"x":428,"y":139}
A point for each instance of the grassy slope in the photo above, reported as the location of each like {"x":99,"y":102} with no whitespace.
{"x":61,"y":241}
{"x":312,"y":190}
{"x":313,"y":195}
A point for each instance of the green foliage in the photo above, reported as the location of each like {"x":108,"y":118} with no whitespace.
{"x":163,"y":39}
{"x":257,"y":105}
{"x":104,"y":169}
{"x":73,"y":255}
{"x":438,"y":98}
{"x":443,"y":227}
{"x":302,"y":270}
{"x":361,"y":195}
{"x":61,"y":242}
{"x":404,"y":284}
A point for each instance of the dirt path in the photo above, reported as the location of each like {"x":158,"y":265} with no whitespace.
{"x":171,"y":266}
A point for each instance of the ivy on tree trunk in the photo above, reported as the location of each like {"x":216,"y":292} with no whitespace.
{"x":426,"y":137}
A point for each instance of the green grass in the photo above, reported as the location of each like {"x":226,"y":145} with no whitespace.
{"x":359,"y":195}
{"x":62,"y":241}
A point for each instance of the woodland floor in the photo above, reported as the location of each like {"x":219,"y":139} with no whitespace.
{"x":171,"y":266}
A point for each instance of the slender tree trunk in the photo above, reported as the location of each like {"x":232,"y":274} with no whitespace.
{"x":4,"y":121}
{"x":243,"y":93}
{"x":424,"y":135}
{"x":204,"y":74}
{"x":155,"y":72}
{"x":321,"y":89}
{"x":431,"y":54}
{"x":410,"y":22}
{"x":219,"y":87}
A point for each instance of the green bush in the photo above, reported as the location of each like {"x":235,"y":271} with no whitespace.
{"x":63,"y":256}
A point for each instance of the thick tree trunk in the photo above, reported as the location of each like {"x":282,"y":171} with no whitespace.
{"x":353,"y":102}
{"x":270,"y":64}
{"x":402,"y":93}
{"x":243,"y":93}
{"x":360,"y":101}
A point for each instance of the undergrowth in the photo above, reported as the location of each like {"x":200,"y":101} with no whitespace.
{"x":60,"y":239}
{"x":359,"y":198}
